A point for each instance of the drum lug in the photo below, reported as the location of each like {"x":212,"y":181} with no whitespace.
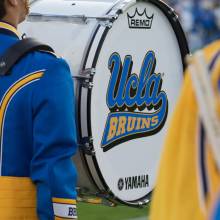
{"x":107,"y":24}
{"x":85,"y":78}
{"x":88,"y":72}
{"x":108,"y":20}
{"x":86,"y":144}
{"x":143,"y":203}
{"x":84,"y":81}
{"x":88,"y":85}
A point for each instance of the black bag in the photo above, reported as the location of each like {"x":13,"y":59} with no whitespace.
{"x":19,"y":50}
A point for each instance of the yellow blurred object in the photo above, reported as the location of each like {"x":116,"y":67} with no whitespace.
{"x":188,"y":179}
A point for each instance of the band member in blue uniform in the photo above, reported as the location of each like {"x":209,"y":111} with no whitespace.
{"x":37,"y":130}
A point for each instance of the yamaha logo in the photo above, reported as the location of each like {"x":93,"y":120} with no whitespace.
{"x":133,"y":182}
{"x":140,"y":20}
{"x":121,"y":184}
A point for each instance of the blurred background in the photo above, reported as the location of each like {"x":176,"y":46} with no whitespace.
{"x":200,"y":20}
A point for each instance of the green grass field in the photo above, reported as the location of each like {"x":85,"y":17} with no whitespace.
{"x":101,"y":212}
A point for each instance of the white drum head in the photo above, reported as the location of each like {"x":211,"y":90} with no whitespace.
{"x":139,"y":72}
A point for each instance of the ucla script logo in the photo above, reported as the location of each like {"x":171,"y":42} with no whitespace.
{"x":138,"y":107}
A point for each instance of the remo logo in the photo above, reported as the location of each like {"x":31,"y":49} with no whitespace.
{"x":138,"y":105}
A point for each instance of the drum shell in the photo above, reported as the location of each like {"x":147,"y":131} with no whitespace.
{"x":73,"y":41}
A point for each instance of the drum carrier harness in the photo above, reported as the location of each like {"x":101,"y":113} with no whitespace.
{"x":18,"y":51}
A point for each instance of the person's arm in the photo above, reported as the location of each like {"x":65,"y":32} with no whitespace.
{"x":54,"y":140}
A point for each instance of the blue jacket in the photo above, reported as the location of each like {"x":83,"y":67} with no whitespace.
{"x":37,"y":128}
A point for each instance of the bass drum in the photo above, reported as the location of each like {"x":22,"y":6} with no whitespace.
{"x":128,"y":61}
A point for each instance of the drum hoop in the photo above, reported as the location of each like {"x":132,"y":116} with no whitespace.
{"x":177,"y":28}
{"x":184,"y":49}
{"x":78,"y":107}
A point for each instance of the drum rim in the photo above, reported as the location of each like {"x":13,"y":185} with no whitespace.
{"x":184,"y":49}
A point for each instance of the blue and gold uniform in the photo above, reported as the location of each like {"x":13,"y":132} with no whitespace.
{"x":188,"y":180}
{"x":37,"y":137}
